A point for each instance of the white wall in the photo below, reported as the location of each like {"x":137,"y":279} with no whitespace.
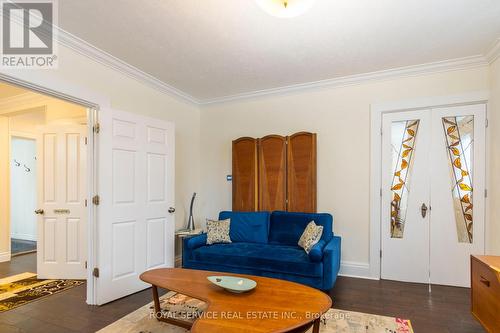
{"x":23,"y":189}
{"x":494,"y":176}
{"x":341,"y":117}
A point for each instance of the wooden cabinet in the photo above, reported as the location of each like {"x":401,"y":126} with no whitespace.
{"x":275,"y":173}
{"x":272,"y":173}
{"x":245,"y":175}
{"x":485,"y":292}
{"x":301,"y":172}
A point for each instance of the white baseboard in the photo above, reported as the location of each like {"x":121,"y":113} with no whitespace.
{"x":4,"y":256}
{"x":355,"y":269}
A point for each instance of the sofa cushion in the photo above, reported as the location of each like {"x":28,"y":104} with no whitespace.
{"x":263,"y":257}
{"x":251,"y":227}
{"x":287,"y":227}
{"x":311,"y":236}
{"x":218,"y":231}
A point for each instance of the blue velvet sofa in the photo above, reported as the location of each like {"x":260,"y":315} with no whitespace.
{"x":265,"y":244}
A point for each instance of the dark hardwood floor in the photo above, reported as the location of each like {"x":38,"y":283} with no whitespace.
{"x":446,"y":310}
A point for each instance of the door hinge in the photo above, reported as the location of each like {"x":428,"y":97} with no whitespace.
{"x":487,"y":122}
{"x":380,"y":191}
{"x":95,"y":272}
{"x":380,"y":253}
{"x":96,"y":200}
{"x":85,"y":265}
{"x":485,"y":193}
{"x":97,"y":128}
{"x":381,"y":131}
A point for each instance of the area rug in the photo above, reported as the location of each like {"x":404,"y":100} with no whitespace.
{"x":25,"y":288}
{"x":187,"y":308}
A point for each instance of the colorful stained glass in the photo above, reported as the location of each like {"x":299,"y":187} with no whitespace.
{"x":459,"y":133}
{"x":403,"y":137}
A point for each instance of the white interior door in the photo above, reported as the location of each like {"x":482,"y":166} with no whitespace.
{"x":62,"y":216}
{"x":457,"y":192}
{"x":405,"y":187}
{"x":136,"y":187}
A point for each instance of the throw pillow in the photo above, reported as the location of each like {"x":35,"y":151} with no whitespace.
{"x":218,"y":231}
{"x":311,"y":235}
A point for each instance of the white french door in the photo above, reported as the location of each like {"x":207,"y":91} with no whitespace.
{"x":61,"y":193}
{"x":433,"y":180}
{"x":405,"y":257}
{"x":136,"y":188}
{"x":454,"y":211}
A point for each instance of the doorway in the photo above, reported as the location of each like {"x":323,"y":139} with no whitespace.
{"x":44,"y":153}
{"x":131,"y":160}
{"x":433,"y":180}
{"x":23,"y":194}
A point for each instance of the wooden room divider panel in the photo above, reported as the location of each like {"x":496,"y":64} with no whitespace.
{"x":272,"y":173}
{"x":245,"y":174}
{"x":275,"y":173}
{"x":301,"y":172}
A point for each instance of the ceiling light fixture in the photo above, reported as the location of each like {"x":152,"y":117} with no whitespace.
{"x":285,"y":8}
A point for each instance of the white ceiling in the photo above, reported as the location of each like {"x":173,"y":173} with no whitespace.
{"x":215,"y":48}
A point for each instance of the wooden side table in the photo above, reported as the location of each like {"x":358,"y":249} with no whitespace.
{"x":180,"y":235}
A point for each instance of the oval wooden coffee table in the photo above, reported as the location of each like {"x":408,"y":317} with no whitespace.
{"x":273,"y":306}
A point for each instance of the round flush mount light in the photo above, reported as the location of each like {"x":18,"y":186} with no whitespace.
{"x":285,"y":8}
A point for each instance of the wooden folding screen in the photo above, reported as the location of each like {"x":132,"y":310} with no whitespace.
{"x":245,"y":174}
{"x":272,"y":173}
{"x":275,"y":173}
{"x":301,"y":172}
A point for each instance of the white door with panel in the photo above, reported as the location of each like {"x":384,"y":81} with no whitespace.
{"x":457,"y":192}
{"x":433,"y":180}
{"x":61,"y":193}
{"x":136,"y":188}
{"x":405,"y":162}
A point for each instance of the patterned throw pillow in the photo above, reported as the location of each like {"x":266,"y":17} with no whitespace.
{"x":311,"y":235}
{"x":218,"y":231}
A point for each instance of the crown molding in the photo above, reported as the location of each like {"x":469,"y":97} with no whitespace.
{"x":494,"y":52}
{"x":429,"y":68}
{"x":92,"y":52}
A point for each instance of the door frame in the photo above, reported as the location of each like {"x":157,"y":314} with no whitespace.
{"x":377,"y":110}
{"x":68,"y":91}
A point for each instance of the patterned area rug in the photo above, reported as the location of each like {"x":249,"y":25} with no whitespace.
{"x":25,"y":288}
{"x":186,"y":308}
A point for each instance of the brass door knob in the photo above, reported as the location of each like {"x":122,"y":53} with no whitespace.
{"x":39,"y":211}
{"x":423,"y":210}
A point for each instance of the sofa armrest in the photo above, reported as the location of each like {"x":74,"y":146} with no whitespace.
{"x":316,"y":253}
{"x":331,"y":262}
{"x":195,"y":242}
{"x":191,"y":243}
